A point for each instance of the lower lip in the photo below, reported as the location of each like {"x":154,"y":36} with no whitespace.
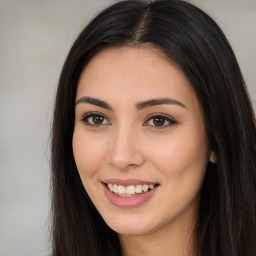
{"x":128,"y":202}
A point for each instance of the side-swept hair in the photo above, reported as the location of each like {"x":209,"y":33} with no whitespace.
{"x":226,"y":224}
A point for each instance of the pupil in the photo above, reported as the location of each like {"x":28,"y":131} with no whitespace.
{"x":159,"y":121}
{"x":98,"y":119}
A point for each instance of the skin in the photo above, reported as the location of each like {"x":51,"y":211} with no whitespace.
{"x":129,"y":145}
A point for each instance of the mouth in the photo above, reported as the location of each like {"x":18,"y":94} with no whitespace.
{"x":131,"y":190}
{"x":129,"y":193}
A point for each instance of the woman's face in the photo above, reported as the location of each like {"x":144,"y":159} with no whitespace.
{"x":139,"y":132}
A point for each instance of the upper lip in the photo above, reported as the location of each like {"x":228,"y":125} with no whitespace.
{"x":127,"y":182}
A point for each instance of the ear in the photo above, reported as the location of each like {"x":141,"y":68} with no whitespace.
{"x":213,"y":158}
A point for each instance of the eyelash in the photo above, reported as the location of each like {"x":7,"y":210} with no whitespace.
{"x":86,"y":117}
{"x":164,"y":118}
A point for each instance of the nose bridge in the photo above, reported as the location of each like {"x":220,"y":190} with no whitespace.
{"x":123,"y":150}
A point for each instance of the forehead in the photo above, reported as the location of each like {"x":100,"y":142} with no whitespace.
{"x":134,"y":72}
{"x":129,"y":58}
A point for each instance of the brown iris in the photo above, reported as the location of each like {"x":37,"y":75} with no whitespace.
{"x":158,"y":121}
{"x":98,"y":119}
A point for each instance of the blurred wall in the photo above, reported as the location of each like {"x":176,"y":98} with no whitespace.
{"x":35,"y":37}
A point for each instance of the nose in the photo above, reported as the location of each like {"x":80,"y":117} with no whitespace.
{"x":124,"y":150}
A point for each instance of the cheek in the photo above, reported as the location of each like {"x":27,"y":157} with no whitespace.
{"x":180,"y":155}
{"x":182,"y":163}
{"x":88,"y":154}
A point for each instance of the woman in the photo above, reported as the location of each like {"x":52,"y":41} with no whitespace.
{"x":153,"y":142}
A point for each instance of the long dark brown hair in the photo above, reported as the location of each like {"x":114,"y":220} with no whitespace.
{"x":226,"y":224}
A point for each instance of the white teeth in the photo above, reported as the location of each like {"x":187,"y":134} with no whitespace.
{"x":129,"y":190}
{"x":145,"y":188}
{"x":151,"y":186}
{"x":139,"y":189}
{"x":121,"y":190}
{"x":110,"y":186}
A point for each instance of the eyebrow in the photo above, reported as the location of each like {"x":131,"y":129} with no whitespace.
{"x":94,"y":101}
{"x":138,"y":106}
{"x":154,"y":102}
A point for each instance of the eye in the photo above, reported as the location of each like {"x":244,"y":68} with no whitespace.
{"x":159,"y":121}
{"x":94,"y":119}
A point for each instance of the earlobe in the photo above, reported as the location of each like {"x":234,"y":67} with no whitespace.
{"x":212,"y":157}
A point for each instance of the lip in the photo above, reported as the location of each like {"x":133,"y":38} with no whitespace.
{"x":128,"y":182}
{"x":129,"y":202}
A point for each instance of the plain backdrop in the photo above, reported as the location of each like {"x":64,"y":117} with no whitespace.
{"x":35,"y":36}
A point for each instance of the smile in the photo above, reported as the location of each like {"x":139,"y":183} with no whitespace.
{"x":131,"y":190}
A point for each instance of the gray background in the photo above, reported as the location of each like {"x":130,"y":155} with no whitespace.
{"x":35,"y":37}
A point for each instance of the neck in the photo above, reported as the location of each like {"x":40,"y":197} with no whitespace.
{"x":176,"y":241}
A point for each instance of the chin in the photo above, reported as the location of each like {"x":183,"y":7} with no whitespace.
{"x":130,"y":225}
{"x":131,"y":231}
